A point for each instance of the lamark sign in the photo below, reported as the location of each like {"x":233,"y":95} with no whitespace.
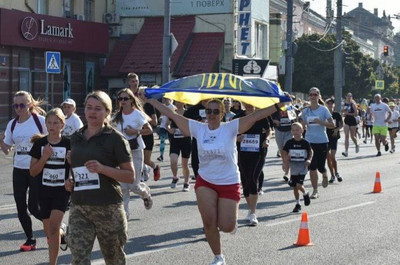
{"x":30,"y":29}
{"x":23,"y":29}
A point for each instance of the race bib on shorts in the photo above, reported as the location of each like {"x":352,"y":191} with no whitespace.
{"x":53,"y":177}
{"x":85,"y":180}
{"x":250,"y":143}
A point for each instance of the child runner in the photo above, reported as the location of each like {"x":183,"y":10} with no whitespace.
{"x":72,"y":121}
{"x":297,"y":154}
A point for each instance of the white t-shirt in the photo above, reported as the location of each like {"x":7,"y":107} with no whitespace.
{"x":21,"y":138}
{"x":380,"y":112}
{"x":217,"y":151}
{"x":164,"y":119}
{"x":394,"y":119}
{"x":72,"y":124}
{"x":135,"y":120}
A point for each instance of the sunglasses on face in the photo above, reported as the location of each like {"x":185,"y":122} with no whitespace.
{"x":20,"y":105}
{"x":313,"y":95}
{"x":123,"y":98}
{"x":213,"y":111}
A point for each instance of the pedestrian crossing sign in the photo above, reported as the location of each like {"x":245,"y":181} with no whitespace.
{"x":53,"y":62}
{"x":379,"y":84}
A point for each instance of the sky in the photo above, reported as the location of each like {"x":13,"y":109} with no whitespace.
{"x":390,"y":6}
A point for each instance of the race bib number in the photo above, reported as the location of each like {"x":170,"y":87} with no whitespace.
{"x":297,"y":155}
{"x":178,"y":133}
{"x":53,"y":177}
{"x":85,"y":180}
{"x":250,"y":143}
{"x":285,"y":122}
{"x":23,"y":149}
{"x":311,"y":121}
{"x":58,"y":157}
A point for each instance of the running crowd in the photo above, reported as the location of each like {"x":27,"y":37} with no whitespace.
{"x":91,"y":169}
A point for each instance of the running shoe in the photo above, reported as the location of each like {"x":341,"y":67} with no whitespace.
{"x":173,"y":183}
{"x":332,"y":179}
{"x":285,"y":178}
{"x":260,"y":192}
{"x":324,"y":181}
{"x":29,"y":245}
{"x":379,"y":153}
{"x":315,"y":194}
{"x":297,"y":208}
{"x":365,"y":141}
{"x":218,"y":260}
{"x":357,"y":148}
{"x":339,"y":178}
{"x":186,"y":187}
{"x":160,"y":158}
{"x":253,"y":220}
{"x":156,"y":172}
{"x":148,"y":203}
{"x":345,"y":154}
{"x":387,"y":147}
{"x":306,"y":198}
{"x":63,"y":235}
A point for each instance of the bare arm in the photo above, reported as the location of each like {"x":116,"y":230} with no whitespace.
{"x":246,"y":122}
{"x":153,"y":120}
{"x":285,"y":160}
{"x":4,"y":147}
{"x":180,"y":121}
{"x":125,"y":173}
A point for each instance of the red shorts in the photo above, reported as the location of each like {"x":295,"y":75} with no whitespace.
{"x":224,"y":191}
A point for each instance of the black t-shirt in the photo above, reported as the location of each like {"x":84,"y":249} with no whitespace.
{"x":285,"y":122}
{"x":338,"y":121}
{"x":302,"y":149}
{"x":195,"y":112}
{"x":56,"y":169}
{"x":149,"y":109}
{"x":258,"y":132}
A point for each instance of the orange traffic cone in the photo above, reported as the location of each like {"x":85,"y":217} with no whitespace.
{"x":377,"y":186}
{"x":304,"y":234}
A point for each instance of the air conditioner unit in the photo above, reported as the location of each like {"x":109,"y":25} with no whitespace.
{"x":79,"y":17}
{"x":111,"y":18}
{"x":114,"y":31}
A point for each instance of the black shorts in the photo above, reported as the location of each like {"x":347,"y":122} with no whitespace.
{"x":393,"y":129}
{"x":296,"y":179}
{"x":319,"y":157}
{"x":368,"y":126}
{"x":178,"y":145}
{"x":49,"y":203}
{"x":350,"y":120}
{"x":148,"y":141}
{"x":332,"y":145}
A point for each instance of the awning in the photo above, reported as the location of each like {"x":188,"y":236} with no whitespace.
{"x":145,"y":54}
{"x":203,"y":54}
{"x":117,"y":57}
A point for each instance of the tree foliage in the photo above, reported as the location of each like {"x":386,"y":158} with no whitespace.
{"x":314,"y":67}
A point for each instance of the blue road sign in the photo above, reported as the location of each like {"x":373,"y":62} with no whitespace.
{"x":53,"y":62}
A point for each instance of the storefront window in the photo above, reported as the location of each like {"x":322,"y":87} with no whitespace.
{"x":42,"y":7}
{"x":261,"y":42}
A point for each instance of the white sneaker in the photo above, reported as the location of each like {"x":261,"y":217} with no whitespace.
{"x":218,"y":260}
{"x":315,"y":195}
{"x":253,"y":220}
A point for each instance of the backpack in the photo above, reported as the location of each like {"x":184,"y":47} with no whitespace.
{"x":35,"y":118}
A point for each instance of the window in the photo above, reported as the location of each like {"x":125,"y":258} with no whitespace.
{"x":89,"y":10}
{"x":68,"y":8}
{"x":42,"y":7}
{"x":261,"y":41}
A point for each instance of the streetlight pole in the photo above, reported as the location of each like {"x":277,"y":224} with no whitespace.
{"x":166,"y":62}
{"x":338,"y":59}
{"x":289,"y":50}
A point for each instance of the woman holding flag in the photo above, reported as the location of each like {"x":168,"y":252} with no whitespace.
{"x":218,"y":184}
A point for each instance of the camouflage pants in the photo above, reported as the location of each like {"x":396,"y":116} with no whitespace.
{"x":107,"y":223}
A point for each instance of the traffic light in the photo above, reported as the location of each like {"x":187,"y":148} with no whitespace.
{"x":386,"y":50}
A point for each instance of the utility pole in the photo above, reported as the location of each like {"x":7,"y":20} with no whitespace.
{"x":166,"y":62}
{"x":338,"y":59}
{"x":289,"y":50}
{"x":329,"y":13}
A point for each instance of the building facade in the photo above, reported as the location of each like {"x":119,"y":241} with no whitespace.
{"x":30,"y":28}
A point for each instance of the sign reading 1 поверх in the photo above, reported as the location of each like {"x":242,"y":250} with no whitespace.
{"x":53,"y":62}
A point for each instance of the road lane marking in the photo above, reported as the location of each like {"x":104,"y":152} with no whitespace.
{"x":177,"y":245}
{"x":7,"y":207}
{"x":324,"y":213}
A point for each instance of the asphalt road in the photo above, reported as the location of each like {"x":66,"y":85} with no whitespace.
{"x":348,"y":224}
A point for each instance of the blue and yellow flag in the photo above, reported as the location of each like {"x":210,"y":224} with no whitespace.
{"x":258,"y":92}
